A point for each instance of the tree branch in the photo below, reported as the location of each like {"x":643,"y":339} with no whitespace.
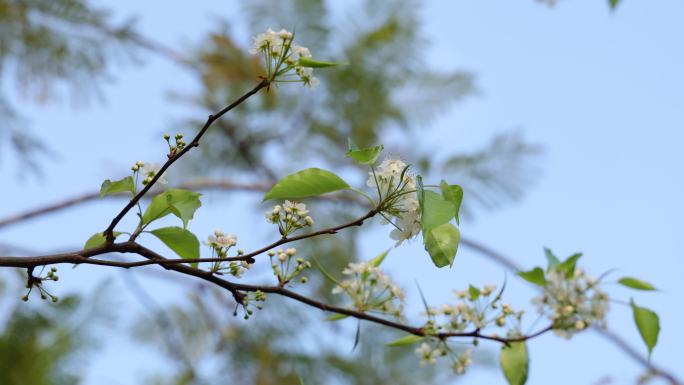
{"x":108,"y":233}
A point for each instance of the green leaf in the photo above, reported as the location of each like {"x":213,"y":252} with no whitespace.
{"x":306,"y":183}
{"x":181,"y":241}
{"x":535,"y":276}
{"x":98,"y":239}
{"x":307,"y":62}
{"x":325,"y":272}
{"x":408,"y":339}
{"x":474,"y":292}
{"x":336,"y":317}
{"x":568,"y":266}
{"x":614,"y":3}
{"x":436,"y":211}
{"x":635,"y":283}
{"x":648,"y":323}
{"x":515,"y":362}
{"x":552,"y":259}
{"x":181,"y":203}
{"x":375,"y":262}
{"x":453,"y":194}
{"x":125,"y":184}
{"x":442,"y":243}
{"x":365,"y":155}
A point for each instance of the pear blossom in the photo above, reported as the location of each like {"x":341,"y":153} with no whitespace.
{"x":369,"y":288}
{"x":149,"y":170}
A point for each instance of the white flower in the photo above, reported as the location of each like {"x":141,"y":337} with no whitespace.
{"x":149,"y":170}
{"x":295,"y":208}
{"x":264,"y":41}
{"x":462,"y":362}
{"x":220,"y":239}
{"x":410,"y":226}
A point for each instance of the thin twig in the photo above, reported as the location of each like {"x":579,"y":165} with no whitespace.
{"x":108,"y":233}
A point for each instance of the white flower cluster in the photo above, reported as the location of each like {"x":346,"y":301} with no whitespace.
{"x":289,"y":217}
{"x":396,"y":187}
{"x":282,"y":56}
{"x":370,"y":289}
{"x":220,"y":244}
{"x":284,"y":269}
{"x":477,"y":309}
{"x":148,"y":171}
{"x":573,"y":303}
{"x":429,"y":354}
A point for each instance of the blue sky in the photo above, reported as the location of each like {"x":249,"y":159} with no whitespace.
{"x":601,"y":91}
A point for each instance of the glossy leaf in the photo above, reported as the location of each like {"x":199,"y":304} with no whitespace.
{"x":123,"y":185}
{"x":515,"y":363}
{"x":634,"y":283}
{"x":535,"y":276}
{"x":435,"y":211}
{"x":453,"y":194}
{"x":307,"y":62}
{"x":366,"y":155}
{"x":648,"y":323}
{"x":181,"y":241}
{"x":379,"y":258}
{"x":553,"y":261}
{"x":98,"y":239}
{"x":568,"y":266}
{"x":408,"y":339}
{"x":442,"y":243}
{"x":306,"y":183}
{"x":181,"y":203}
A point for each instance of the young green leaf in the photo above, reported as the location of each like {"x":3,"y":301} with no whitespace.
{"x":568,"y":266}
{"x":112,"y":187}
{"x":442,"y":243}
{"x":181,"y":203}
{"x":366,"y":155}
{"x":325,"y":272}
{"x":473,"y":292}
{"x":181,"y":241}
{"x":535,"y":276}
{"x":436,"y":211}
{"x":98,"y":239}
{"x":306,"y":183}
{"x":408,"y":339}
{"x":379,"y":258}
{"x":336,"y":317}
{"x":515,"y":362}
{"x":635,"y":283}
{"x":553,"y":261}
{"x":648,"y":323}
{"x":307,"y":62}
{"x":453,"y":194}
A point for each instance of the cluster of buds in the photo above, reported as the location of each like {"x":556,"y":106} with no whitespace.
{"x":478,"y":308}
{"x":431,"y":350}
{"x":572,"y":301}
{"x":396,"y":189}
{"x":147,"y":171}
{"x":179,"y":145}
{"x":283,"y":267}
{"x":220,"y":244}
{"x":255,"y":299}
{"x":285,"y":61}
{"x":37,"y":282}
{"x":370,"y":289}
{"x":289,"y":217}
